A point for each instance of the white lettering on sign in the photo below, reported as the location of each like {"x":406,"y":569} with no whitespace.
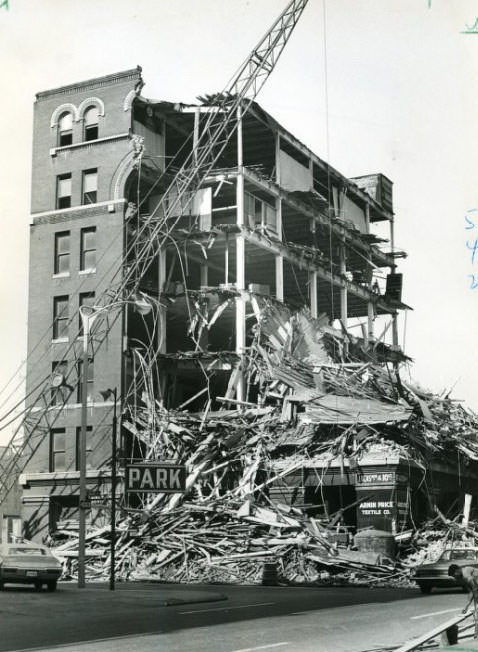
{"x":174,"y":479}
{"x":376,"y":478}
{"x":161,"y":478}
{"x":376,"y":508}
{"x":147,"y":480}
{"x":133,"y":476}
{"x":157,"y":478}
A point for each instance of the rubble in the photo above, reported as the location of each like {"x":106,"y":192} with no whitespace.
{"x":312,"y":393}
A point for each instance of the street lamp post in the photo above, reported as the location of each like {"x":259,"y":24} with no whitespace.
{"x":106,"y":394}
{"x":86,"y":319}
{"x":88,"y":314}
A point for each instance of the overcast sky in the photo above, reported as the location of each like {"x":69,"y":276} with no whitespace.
{"x":402,"y":100}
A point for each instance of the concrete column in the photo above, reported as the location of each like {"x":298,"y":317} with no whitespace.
{"x":343,"y":287}
{"x":279,"y":260}
{"x":314,"y":309}
{"x":240,"y":259}
{"x":203,"y":281}
{"x":277,"y":158}
{"x":395,"y":329}
{"x":392,"y":269}
{"x":370,"y":321}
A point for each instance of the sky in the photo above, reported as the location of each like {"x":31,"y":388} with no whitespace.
{"x":369,"y":85}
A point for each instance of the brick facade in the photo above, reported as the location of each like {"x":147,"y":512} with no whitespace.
{"x":47,"y":491}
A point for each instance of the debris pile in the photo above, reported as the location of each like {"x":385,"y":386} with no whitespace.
{"x":435,"y":536}
{"x":312,"y":395}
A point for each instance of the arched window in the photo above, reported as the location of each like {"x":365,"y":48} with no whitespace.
{"x":91,"y":123}
{"x":65,"y":129}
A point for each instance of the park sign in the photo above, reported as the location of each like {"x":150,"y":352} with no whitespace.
{"x":155,"y":477}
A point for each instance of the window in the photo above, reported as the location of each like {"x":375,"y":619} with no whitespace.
{"x":89,"y":431}
{"x":270,"y":217}
{"x":63,"y":191}
{"x":90,"y":186}
{"x":60,"y":318}
{"x":89,"y":391}
{"x":253,"y":210}
{"x":86,"y":299}
{"x":59,"y":394}
{"x":65,"y":129}
{"x":91,"y":123}
{"x":88,"y":249}
{"x":62,"y":252}
{"x":58,"y":449}
{"x":259,"y":213}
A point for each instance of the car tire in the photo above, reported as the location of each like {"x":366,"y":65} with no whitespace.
{"x":1,"y":585}
{"x":38,"y":586}
{"x":51,"y":585}
{"x":426,"y":589}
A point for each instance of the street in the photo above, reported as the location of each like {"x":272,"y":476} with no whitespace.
{"x":137,"y":618}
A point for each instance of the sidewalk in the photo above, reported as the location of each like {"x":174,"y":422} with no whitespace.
{"x":465,"y":646}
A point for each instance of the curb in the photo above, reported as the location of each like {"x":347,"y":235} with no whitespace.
{"x":215,"y":597}
{"x":169,"y":602}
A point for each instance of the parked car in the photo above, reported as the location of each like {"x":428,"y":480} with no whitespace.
{"x":28,"y":563}
{"x":436,"y":574}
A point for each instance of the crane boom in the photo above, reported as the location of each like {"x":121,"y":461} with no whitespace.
{"x":219,"y":125}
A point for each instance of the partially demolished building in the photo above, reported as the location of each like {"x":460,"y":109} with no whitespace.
{"x":246,"y":370}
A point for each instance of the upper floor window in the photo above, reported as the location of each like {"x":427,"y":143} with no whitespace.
{"x":91,"y":123}
{"x":88,"y":249}
{"x":89,"y":433}
{"x":63,"y":191}
{"x":58,"y":449}
{"x":65,"y":129}
{"x":62,"y":253}
{"x":89,"y":381}
{"x":60,"y":317}
{"x":259,"y":213}
{"x":90,"y":186}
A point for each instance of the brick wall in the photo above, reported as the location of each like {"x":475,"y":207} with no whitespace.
{"x":104,"y":155}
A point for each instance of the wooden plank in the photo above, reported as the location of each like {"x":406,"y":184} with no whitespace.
{"x":438,"y":629}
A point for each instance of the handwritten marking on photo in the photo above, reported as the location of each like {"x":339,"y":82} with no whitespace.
{"x":471,"y":223}
{"x":471,"y":30}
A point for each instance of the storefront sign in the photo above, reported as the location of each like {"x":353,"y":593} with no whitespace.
{"x":155,"y":478}
{"x":377,"y":507}
{"x":379,"y":477}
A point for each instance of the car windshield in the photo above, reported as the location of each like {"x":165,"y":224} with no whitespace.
{"x":26,"y":551}
{"x":459,"y":554}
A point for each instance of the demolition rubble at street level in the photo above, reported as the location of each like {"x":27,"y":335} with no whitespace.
{"x":321,"y":402}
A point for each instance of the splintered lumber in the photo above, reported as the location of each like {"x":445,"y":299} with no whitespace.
{"x":309,"y":400}
{"x":438,"y":629}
